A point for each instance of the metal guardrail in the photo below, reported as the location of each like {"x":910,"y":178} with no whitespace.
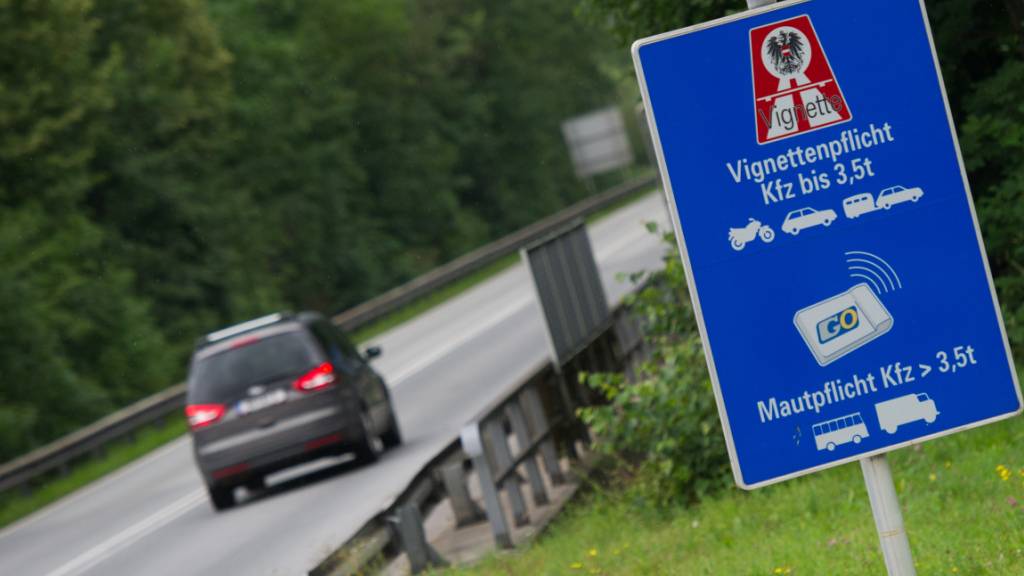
{"x":58,"y":455}
{"x":515,"y":434}
{"x":92,"y":439}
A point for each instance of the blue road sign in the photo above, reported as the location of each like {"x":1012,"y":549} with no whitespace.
{"x":823,"y":213}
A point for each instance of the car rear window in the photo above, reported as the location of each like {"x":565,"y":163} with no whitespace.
{"x":225,"y":375}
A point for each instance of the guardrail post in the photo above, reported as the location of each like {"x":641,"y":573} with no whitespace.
{"x":525,"y":439}
{"x":536,"y":418}
{"x":408,"y":525}
{"x":472,"y":443}
{"x":494,"y":433}
{"x":465,"y":509}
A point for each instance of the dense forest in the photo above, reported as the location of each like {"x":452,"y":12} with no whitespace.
{"x":169,"y":167}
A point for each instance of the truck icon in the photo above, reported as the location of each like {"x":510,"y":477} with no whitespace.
{"x":906,"y":409}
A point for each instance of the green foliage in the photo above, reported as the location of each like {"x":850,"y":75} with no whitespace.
{"x":664,"y":423}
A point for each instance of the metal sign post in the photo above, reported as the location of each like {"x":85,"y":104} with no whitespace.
{"x":888,"y":519}
{"x":832,"y":250}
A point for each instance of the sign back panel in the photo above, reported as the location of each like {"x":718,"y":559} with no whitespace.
{"x":834,"y":257}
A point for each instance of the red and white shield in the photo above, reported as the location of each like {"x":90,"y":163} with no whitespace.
{"x":795,"y":90}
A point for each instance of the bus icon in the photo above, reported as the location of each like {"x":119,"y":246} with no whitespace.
{"x":850,"y":428}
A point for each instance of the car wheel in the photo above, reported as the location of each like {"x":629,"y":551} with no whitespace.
{"x":887,"y":206}
{"x":393,"y":437}
{"x":256,"y":484}
{"x":827,"y":223}
{"x":222,"y":497}
{"x":831,"y":447}
{"x":371,"y":446}
{"x":857,"y":439}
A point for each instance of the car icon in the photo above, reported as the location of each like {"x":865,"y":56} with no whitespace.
{"x":859,"y":204}
{"x":804,"y":218}
{"x":898,"y":195}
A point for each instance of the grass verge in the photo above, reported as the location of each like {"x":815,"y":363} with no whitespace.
{"x":962,"y":499}
{"x":15,"y":506}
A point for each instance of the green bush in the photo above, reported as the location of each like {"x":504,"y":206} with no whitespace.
{"x":663,"y":426}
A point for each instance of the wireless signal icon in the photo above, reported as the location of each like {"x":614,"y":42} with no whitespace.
{"x":874,"y":270}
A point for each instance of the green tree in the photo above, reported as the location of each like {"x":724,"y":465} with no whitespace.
{"x":173,"y":218}
{"x":76,"y":340}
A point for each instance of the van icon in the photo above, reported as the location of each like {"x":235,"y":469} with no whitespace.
{"x":906,"y":409}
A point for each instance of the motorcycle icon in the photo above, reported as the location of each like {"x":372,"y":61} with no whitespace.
{"x":739,"y":237}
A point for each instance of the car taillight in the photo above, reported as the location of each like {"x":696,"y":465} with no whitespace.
{"x":200,"y":415}
{"x":316,"y":379}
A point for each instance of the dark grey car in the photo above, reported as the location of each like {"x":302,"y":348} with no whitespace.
{"x":278,"y":391}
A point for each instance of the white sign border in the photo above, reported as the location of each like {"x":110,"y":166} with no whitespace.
{"x":695,"y":299}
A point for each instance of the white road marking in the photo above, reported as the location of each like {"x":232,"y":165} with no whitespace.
{"x":130,"y":535}
{"x":454,"y":344}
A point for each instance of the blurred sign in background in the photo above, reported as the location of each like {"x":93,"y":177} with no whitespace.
{"x":598,"y":142}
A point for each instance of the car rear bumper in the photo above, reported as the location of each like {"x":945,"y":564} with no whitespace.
{"x":236,"y":459}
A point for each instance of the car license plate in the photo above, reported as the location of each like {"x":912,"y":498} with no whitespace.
{"x":258,"y":403}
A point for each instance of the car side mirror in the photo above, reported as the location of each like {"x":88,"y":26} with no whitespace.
{"x":373,"y":352}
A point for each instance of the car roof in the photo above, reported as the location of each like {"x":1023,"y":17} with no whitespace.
{"x":238,"y":340}
{"x":256,"y":324}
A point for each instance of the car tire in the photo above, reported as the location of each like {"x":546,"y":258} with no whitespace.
{"x":221,"y":497}
{"x":887,"y":206}
{"x":827,"y":223}
{"x":256,"y":484}
{"x":371,"y":445}
{"x":393,"y":437}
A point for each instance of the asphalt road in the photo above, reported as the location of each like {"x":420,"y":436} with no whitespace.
{"x":153,"y":517}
